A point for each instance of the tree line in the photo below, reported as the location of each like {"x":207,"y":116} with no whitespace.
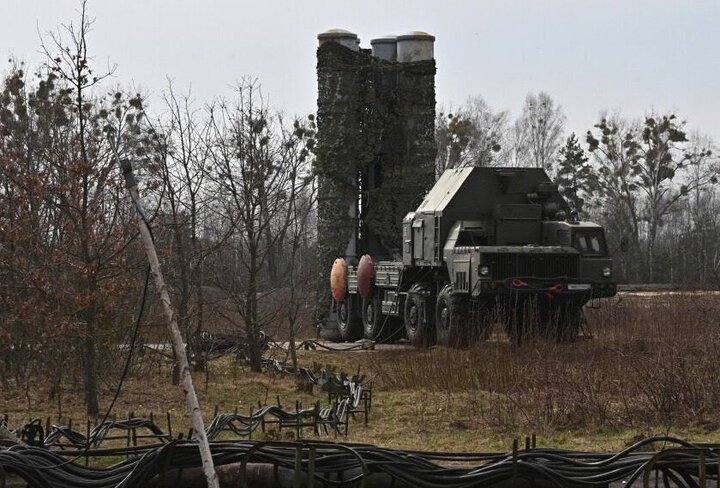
{"x":650,"y":180}
{"x":229,"y":193}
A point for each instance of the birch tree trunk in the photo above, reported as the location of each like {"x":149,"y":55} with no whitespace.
{"x":175,"y":335}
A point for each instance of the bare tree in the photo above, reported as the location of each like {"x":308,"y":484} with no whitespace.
{"x":253,"y":178}
{"x":184,"y":149}
{"x":699,"y":237}
{"x":301,"y":207}
{"x":644,"y":167}
{"x":472,"y":135}
{"x":537,"y":133}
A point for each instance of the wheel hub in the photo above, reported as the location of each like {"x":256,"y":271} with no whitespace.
{"x":413,"y":316}
{"x":370,"y":314}
{"x":444,"y":318}
{"x":343,"y":312}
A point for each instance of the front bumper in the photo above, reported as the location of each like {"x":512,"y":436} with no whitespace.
{"x":550,"y":288}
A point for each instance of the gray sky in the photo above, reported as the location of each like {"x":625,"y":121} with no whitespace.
{"x":589,"y":55}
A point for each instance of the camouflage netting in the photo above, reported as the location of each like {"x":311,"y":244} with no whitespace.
{"x":337,"y":149}
{"x":407,"y":155}
{"x":376,"y":135}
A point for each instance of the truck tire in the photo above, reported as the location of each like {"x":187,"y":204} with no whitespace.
{"x":451,"y":318}
{"x":419,"y":317}
{"x":374,"y":322}
{"x":349,"y":323}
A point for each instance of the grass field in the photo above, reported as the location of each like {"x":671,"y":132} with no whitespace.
{"x":644,"y":366}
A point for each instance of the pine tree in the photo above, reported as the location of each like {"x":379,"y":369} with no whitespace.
{"x":575,"y":177}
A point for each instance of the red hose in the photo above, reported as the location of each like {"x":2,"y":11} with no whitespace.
{"x":552,"y":290}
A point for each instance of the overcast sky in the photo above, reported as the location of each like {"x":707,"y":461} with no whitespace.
{"x":631,"y":56}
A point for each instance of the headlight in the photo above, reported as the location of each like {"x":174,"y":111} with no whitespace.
{"x":606,"y":271}
{"x":484,"y":270}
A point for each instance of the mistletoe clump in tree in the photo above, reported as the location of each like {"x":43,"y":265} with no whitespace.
{"x":643,"y":174}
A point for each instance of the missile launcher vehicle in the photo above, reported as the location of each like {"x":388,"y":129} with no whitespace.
{"x":486,"y":246}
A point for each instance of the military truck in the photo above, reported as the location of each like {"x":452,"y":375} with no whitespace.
{"x":486,"y":246}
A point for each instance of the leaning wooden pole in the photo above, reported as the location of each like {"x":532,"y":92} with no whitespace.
{"x":175,"y":336}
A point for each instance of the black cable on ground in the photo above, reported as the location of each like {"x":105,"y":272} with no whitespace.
{"x":560,"y":468}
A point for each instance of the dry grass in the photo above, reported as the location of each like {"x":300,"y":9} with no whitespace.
{"x":231,"y":386}
{"x":649,"y":364}
{"x":650,"y":367}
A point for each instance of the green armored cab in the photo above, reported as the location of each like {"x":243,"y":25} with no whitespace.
{"x":486,"y":246}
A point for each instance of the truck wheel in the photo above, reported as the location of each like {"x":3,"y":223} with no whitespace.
{"x":348,"y":319}
{"x":374,"y":322}
{"x":451,"y":318}
{"x":419,"y":318}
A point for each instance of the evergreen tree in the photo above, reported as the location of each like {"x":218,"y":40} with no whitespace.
{"x":575,"y":177}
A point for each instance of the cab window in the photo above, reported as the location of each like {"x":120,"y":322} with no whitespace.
{"x":468,"y":237}
{"x":589,"y":242}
